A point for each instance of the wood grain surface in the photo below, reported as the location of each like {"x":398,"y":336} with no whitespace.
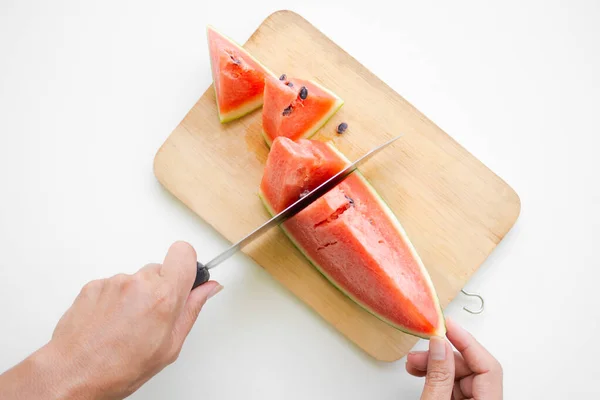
{"x":454,"y":209}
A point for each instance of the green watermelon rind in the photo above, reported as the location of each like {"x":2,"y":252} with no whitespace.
{"x":241,"y":111}
{"x":248,"y":107}
{"x":442,"y":323}
{"x":339,"y":102}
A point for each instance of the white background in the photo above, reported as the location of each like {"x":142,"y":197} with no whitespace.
{"x":90,"y":90}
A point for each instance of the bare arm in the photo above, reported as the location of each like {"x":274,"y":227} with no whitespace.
{"x":118,"y":334}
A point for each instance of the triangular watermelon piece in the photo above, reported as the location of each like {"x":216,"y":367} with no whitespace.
{"x":296,"y":108}
{"x":238,"y":77}
{"x":351,"y":236}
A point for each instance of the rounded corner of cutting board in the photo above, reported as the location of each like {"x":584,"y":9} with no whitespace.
{"x":284,"y":12}
{"x":516,"y":205}
{"x":511,"y":206}
{"x":157,"y":162}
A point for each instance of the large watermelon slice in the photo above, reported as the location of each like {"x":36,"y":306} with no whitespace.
{"x":296,"y":108}
{"x":351,"y":236}
{"x":238,"y":77}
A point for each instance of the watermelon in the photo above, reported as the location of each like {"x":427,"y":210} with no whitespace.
{"x":238,"y":77}
{"x":351,"y":236}
{"x":296,"y":108}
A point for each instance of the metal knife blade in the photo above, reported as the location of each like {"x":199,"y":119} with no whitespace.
{"x":202,"y":274}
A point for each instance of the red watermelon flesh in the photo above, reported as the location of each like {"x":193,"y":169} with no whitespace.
{"x":238,"y":78}
{"x":351,"y":236}
{"x":285,"y":113}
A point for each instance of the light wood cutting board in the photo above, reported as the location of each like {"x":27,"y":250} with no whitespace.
{"x":454,"y":209}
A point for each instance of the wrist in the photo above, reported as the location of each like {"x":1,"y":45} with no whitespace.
{"x":43,"y":375}
{"x":58,"y":376}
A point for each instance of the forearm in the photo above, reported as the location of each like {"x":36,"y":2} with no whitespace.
{"x":118,"y":333}
{"x":44,"y":375}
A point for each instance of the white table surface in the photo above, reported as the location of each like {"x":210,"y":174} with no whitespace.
{"x":88,"y":92}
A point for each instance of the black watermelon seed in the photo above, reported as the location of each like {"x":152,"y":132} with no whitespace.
{"x":287,"y":111}
{"x":290,"y":84}
{"x":342,"y":127}
{"x":349,"y":199}
{"x":282,"y":77}
{"x":235,"y":60}
{"x":303,"y":92}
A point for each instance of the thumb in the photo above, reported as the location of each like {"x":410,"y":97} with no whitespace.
{"x":195,"y":301}
{"x":439,"y":381}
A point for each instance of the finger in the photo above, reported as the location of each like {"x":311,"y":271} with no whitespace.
{"x":466,"y":386}
{"x":439,"y":381}
{"x":476,"y":356}
{"x":457,"y":393}
{"x":195,"y":301}
{"x":418,"y":362}
{"x":179,"y":267}
{"x":414,"y":371}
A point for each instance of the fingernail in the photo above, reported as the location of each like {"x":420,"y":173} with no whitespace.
{"x":437,"y":348}
{"x":215,"y":290}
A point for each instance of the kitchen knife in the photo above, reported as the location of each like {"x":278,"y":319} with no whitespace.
{"x":202,"y":273}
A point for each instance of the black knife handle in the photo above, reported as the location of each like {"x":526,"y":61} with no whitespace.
{"x":202,"y":275}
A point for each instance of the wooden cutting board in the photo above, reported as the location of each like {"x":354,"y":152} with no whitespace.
{"x":454,"y":209}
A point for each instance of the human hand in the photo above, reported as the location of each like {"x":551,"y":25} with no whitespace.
{"x":118,"y":333}
{"x":470,"y":373}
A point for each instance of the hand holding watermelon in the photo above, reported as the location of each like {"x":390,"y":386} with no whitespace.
{"x":470,"y":373}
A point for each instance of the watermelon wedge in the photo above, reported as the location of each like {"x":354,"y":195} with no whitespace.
{"x":296,"y":108}
{"x":351,"y":236}
{"x":238,"y":77}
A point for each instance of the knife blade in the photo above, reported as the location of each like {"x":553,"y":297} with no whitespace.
{"x":202,"y":273}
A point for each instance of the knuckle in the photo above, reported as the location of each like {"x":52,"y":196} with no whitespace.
{"x":151,"y":268}
{"x":119,"y":279}
{"x":92,"y":287}
{"x":439,"y":376}
{"x":88,"y":287}
{"x":174,"y":355}
{"x":149,"y":272}
{"x":124,"y":282}
{"x":138,"y":279}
